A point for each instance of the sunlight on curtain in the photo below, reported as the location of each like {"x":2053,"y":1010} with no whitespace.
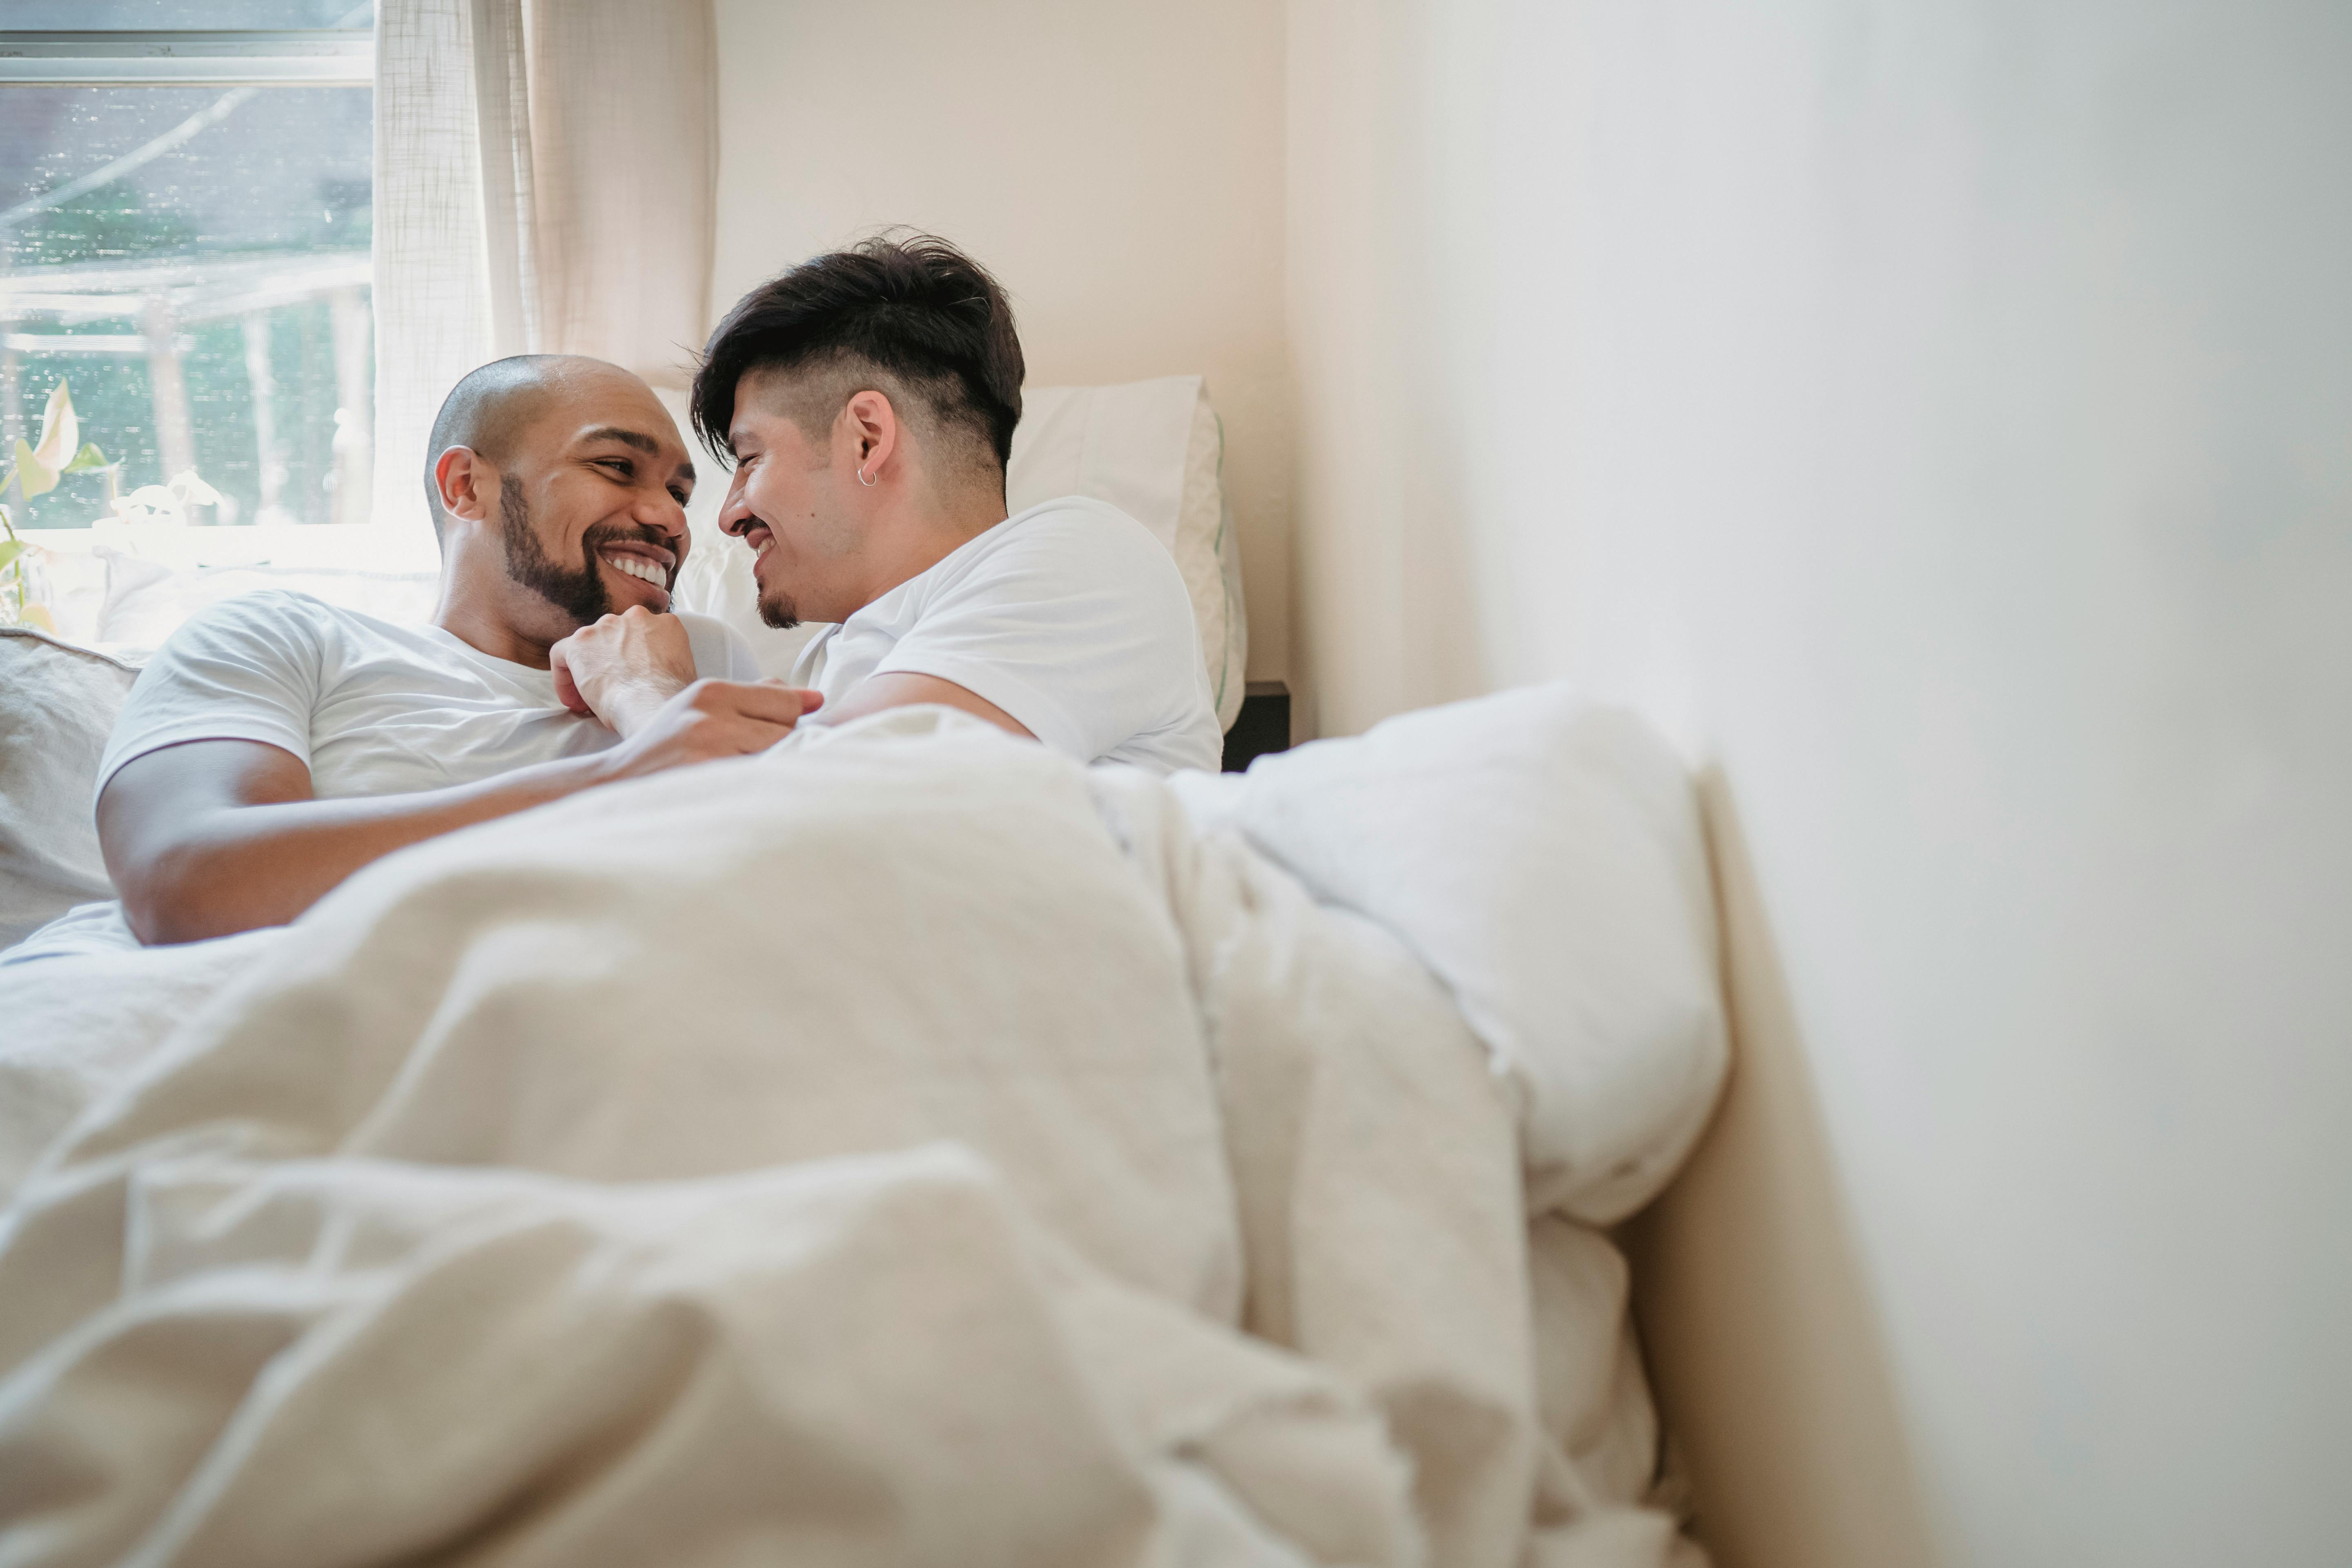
{"x":544,"y":182}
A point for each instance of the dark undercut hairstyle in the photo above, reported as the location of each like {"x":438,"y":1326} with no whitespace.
{"x":907,"y":315}
{"x":487,"y":410}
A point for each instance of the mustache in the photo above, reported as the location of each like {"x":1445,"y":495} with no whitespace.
{"x":602,"y":534}
{"x":636,"y":533}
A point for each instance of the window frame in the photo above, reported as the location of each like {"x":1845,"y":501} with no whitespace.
{"x":312,"y":56}
{"x":200,"y":57}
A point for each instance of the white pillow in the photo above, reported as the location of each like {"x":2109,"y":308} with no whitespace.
{"x":146,"y":600}
{"x":1155,"y":450}
{"x":1152,"y":448}
{"x":56,"y":703}
{"x":1544,"y":857}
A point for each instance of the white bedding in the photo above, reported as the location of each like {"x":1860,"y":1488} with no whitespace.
{"x":839,"y":1156}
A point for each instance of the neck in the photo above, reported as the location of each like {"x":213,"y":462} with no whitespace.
{"x":475,"y":608}
{"x":924,"y":530}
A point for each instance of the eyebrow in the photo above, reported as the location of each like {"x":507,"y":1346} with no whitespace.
{"x":638,"y":439}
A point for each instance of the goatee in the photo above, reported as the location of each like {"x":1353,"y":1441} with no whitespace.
{"x":579,"y":593}
{"x":776,"y":608}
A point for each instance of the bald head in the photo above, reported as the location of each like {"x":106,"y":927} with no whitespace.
{"x":491,"y":409}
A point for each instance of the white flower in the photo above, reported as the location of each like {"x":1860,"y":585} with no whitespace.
{"x":167,"y":503}
{"x":192,"y":491}
{"x":149,"y":501}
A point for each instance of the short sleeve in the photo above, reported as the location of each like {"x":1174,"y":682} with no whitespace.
{"x":1078,"y":626}
{"x":249,"y":668}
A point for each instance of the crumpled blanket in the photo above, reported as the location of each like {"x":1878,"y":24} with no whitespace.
{"x":842,"y":1155}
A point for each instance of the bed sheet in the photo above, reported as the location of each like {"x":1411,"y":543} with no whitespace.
{"x":910,"y":1148}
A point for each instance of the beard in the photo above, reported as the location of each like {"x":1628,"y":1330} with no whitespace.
{"x":776,"y":608}
{"x":580,"y":592}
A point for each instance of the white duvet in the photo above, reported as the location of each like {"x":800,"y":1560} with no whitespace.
{"x":903,"y":1148}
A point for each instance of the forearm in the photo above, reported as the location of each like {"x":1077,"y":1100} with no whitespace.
{"x":238,"y":868}
{"x":902,"y":688}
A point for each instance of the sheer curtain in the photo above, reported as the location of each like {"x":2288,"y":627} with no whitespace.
{"x":544,"y":178}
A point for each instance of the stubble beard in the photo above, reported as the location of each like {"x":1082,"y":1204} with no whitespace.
{"x":776,"y":608}
{"x":582,"y":595}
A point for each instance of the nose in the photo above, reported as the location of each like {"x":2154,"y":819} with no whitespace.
{"x":735,"y":516}
{"x":661,"y":512}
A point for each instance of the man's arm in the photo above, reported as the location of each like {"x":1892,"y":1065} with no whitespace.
{"x":209,"y":837}
{"x":624,"y":666}
{"x":902,"y":688}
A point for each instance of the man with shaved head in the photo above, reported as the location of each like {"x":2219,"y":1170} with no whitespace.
{"x":277,"y":744}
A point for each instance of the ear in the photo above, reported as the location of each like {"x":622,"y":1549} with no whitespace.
{"x":468,"y":483}
{"x":873,"y":432}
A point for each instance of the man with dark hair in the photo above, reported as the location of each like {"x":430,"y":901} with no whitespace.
{"x":277,"y":744}
{"x":869,"y":399}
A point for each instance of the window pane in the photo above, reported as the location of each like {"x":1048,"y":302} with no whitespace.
{"x":194,"y":262}
{"x":116,"y":16}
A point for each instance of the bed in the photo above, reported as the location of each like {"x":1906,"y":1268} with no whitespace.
{"x":905,"y":1146}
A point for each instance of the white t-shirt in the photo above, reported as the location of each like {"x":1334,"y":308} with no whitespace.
{"x":370,"y":707}
{"x":1070,"y":616}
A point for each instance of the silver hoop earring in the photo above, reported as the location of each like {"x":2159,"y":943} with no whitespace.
{"x":864,"y":480}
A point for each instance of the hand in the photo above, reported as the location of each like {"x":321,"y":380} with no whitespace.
{"x":707,"y":721}
{"x":622,"y":669}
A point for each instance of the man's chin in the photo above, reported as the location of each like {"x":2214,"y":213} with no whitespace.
{"x":779,"y":611}
{"x":582,"y":599}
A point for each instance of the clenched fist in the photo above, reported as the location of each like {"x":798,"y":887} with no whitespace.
{"x":623,"y":667}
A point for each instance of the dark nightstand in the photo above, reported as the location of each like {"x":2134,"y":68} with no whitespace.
{"x":1263,"y":726}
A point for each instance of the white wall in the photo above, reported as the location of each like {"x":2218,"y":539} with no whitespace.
{"x":1940,"y":419}
{"x":1118,"y":167}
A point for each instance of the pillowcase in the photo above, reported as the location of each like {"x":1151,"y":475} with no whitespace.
{"x":1152,"y":448}
{"x":57,"y":703}
{"x":146,"y":600}
{"x":1544,"y":857}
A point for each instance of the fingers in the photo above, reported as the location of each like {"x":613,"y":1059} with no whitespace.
{"x":768,"y":701}
{"x":811,"y":698}
{"x":729,"y":731}
{"x":741,"y":737}
{"x":567,"y":690}
{"x":711,"y":719}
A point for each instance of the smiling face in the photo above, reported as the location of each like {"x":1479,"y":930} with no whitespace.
{"x":795,"y":500}
{"x":591,"y":502}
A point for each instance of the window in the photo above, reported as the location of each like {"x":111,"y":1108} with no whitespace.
{"x":184,"y":225}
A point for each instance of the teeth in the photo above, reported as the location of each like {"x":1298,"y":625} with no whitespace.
{"x":764,"y":546}
{"x":639,"y":567}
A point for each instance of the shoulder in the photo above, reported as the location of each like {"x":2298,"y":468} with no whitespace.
{"x":1082,"y":527}
{"x":249,"y":668}
{"x":267,"y":619}
{"x":269,"y":606}
{"x":1077,"y":544}
{"x":1071,"y":568}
